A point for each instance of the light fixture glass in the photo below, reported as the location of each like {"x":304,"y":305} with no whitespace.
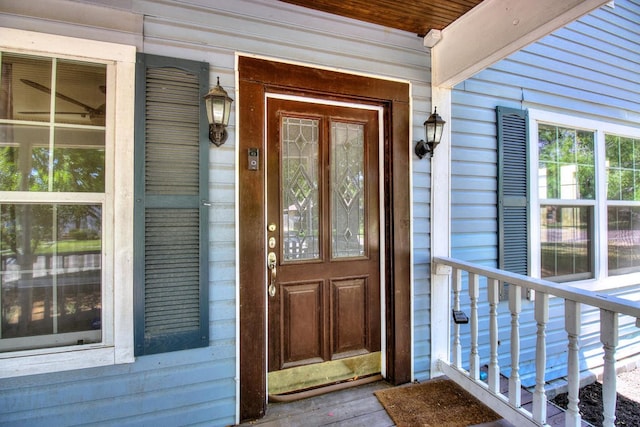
{"x":433,"y":132}
{"x":218,"y":105}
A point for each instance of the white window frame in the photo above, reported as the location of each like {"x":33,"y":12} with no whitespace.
{"x":601,"y":280}
{"x":117,"y":290}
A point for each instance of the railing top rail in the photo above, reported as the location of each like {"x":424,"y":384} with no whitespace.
{"x":584,"y":296}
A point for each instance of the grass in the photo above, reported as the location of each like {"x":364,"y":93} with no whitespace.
{"x":64,"y":247}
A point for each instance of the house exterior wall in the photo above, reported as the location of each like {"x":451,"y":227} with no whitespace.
{"x":588,"y":69}
{"x":563,"y":72}
{"x":200,"y":386}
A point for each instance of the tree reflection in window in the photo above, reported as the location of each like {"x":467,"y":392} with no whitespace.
{"x":52,"y":141}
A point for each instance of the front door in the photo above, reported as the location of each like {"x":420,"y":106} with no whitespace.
{"x":258,"y":79}
{"x":323,"y":238}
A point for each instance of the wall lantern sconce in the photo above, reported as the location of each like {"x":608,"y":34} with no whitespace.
{"x":218,"y":106}
{"x":433,"y":132}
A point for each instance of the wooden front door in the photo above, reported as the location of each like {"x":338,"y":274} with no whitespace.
{"x":257,"y":79}
{"x":323,"y":237}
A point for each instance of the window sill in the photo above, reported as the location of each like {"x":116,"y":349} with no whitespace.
{"x":608,"y":283}
{"x":65,"y":359}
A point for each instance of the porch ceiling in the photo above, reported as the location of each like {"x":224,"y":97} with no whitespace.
{"x":474,"y":33}
{"x":414,"y":16}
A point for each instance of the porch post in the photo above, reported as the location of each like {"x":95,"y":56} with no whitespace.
{"x":440,"y":233}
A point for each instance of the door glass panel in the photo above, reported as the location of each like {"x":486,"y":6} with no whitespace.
{"x":299,"y":198}
{"x":347,"y":195}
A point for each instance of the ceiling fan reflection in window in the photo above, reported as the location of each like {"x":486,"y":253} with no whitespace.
{"x":95,"y":115}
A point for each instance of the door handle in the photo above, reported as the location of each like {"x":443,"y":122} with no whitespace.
{"x":271,"y":264}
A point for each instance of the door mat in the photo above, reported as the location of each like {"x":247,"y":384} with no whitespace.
{"x":439,"y":402}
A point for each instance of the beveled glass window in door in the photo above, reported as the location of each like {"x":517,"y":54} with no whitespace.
{"x":301,"y":216}
{"x":347,"y":190}
{"x":299,"y":198}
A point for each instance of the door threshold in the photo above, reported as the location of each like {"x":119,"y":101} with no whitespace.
{"x":298,"y":395}
{"x":314,"y":375}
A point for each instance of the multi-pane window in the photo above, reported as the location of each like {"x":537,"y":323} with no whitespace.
{"x":66,"y":168}
{"x":566,"y":189}
{"x":623,"y":209}
{"x":52,"y":181}
{"x":588,"y":198}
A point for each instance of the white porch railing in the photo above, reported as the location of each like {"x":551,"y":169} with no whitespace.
{"x":488,"y":392}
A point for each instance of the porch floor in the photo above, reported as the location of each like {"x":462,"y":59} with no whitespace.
{"x":359,"y":407}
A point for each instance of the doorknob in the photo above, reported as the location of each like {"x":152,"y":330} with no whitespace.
{"x":271,"y":264}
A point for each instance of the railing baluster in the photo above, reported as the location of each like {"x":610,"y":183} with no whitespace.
{"x":572,"y":326}
{"x":609,"y":340}
{"x":494,"y":367}
{"x":457,"y":346}
{"x":539,"y":395}
{"x":474,"y":290}
{"x":515,"y":307}
{"x":610,"y":307}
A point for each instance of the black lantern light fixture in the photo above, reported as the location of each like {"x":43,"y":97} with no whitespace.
{"x":218,"y":106}
{"x":433,"y":131}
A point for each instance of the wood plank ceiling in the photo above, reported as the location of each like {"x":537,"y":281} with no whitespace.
{"x":414,"y":16}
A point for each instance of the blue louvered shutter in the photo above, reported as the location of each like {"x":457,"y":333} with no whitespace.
{"x":170,"y":224}
{"x":513,"y":190}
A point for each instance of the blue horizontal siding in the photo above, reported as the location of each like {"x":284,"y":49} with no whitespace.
{"x":152,"y":388}
{"x":590,"y":68}
{"x":199,"y":387}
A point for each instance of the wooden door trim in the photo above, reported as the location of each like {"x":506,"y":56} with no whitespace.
{"x":257,"y":77}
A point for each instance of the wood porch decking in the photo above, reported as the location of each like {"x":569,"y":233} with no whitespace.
{"x":359,"y":407}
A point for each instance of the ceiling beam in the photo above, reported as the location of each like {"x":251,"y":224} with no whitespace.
{"x":495,"y":29}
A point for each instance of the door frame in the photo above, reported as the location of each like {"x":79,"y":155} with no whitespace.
{"x":256,"y":78}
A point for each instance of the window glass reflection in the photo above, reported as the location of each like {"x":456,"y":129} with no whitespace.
{"x":566,"y":241}
{"x":623,"y":239}
{"x":50,"y":273}
{"x":566,"y":168}
{"x":24,"y":83}
{"x":27,"y":162}
{"x":80,"y":93}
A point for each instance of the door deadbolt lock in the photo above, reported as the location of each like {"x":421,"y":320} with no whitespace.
{"x":271,"y":260}
{"x":272,"y":242}
{"x":271,"y":227}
